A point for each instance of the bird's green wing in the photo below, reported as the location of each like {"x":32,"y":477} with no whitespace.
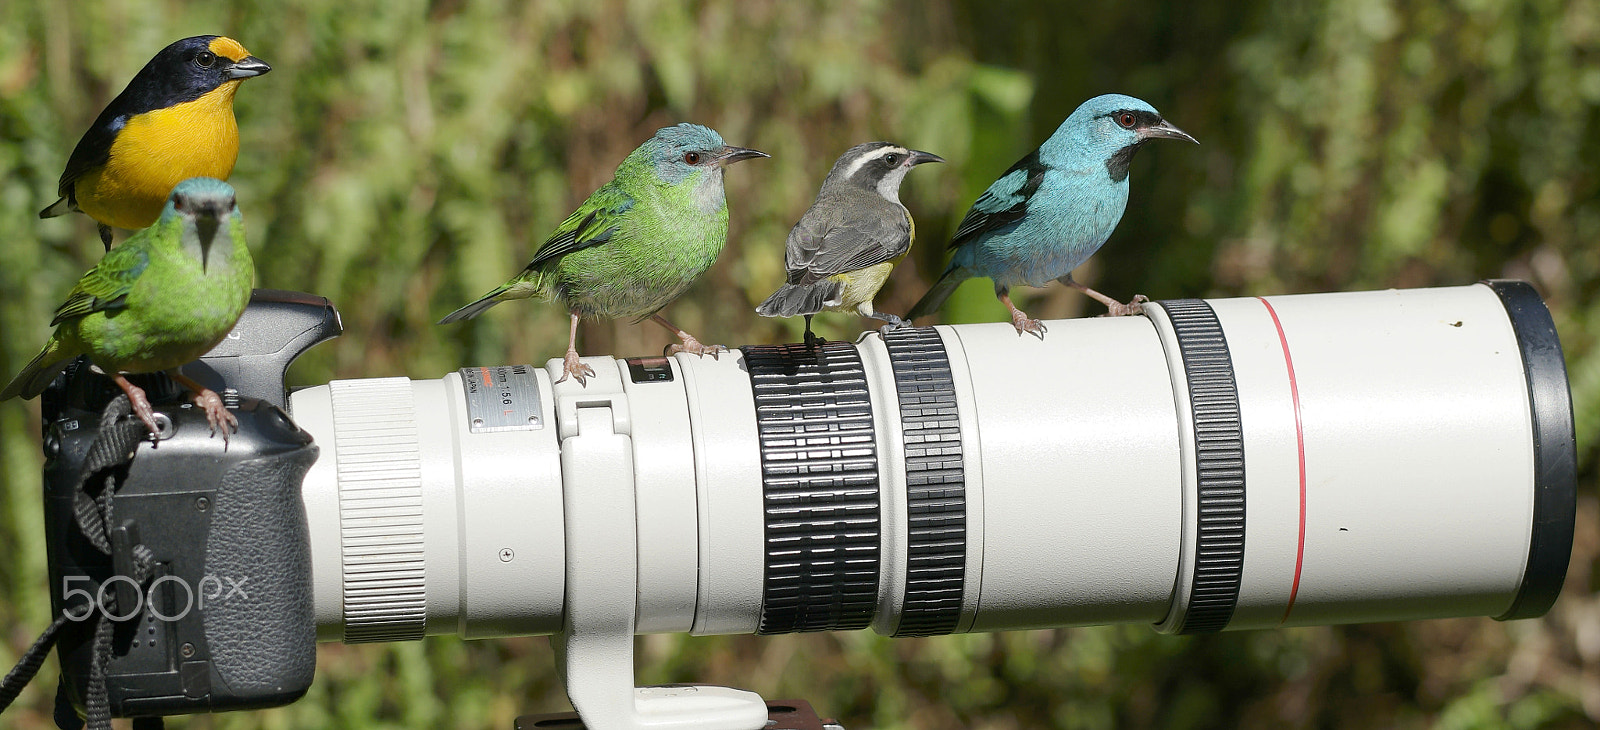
{"x":818,"y":249}
{"x":106,"y":286}
{"x":1004,"y":203}
{"x":592,"y":224}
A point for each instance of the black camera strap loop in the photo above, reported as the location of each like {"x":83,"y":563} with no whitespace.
{"x":96,"y":700}
{"x":32,"y":659}
{"x":114,"y":446}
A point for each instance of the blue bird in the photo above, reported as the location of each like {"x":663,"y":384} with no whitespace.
{"x":1053,"y":209}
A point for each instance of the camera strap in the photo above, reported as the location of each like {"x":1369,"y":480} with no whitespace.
{"x":32,"y":659}
{"x":114,"y":446}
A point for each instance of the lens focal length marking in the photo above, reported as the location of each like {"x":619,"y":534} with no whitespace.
{"x":1219,"y":465}
{"x":502,"y":398}
{"x":936,"y":498}
{"x":819,"y":467}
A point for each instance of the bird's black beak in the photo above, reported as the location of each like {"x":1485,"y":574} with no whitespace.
{"x":247,"y":67}
{"x":731,"y":154}
{"x":208,"y":215}
{"x":918,"y":157}
{"x":206,"y":223}
{"x":1165,"y":130}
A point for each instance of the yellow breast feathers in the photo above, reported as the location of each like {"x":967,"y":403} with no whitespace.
{"x":157,"y":150}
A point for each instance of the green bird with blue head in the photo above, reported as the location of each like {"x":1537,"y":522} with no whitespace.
{"x":166,"y":296}
{"x":637,"y":243}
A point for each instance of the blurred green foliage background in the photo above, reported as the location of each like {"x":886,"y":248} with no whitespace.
{"x":405,"y":156}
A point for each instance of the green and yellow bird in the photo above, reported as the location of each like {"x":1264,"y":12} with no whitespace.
{"x":166,"y":296}
{"x":842,"y":250}
{"x":173,"y":122}
{"x":637,"y":243}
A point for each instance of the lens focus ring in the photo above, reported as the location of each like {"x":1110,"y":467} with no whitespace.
{"x":1219,"y":465}
{"x":819,"y":468}
{"x":936,"y":499}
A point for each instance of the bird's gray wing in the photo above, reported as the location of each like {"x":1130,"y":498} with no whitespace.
{"x":1004,"y":203}
{"x":592,"y":224}
{"x":821,"y":246}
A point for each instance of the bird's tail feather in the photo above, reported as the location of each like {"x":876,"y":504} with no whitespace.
{"x":39,"y":371}
{"x":476,"y":308}
{"x":930,"y":302}
{"x":792,"y":299}
{"x":60,"y":207}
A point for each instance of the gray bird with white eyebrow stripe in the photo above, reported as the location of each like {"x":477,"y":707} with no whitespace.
{"x":842,"y":250}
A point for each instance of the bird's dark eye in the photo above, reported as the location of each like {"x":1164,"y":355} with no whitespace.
{"x":692,"y":158}
{"x":891,"y":160}
{"x":205,"y":59}
{"x":1125,"y":119}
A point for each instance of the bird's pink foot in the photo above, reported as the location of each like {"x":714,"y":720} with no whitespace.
{"x":218,"y":415}
{"x":1114,"y":308}
{"x":1134,"y":306}
{"x":1021,"y":321}
{"x":140,"y":405}
{"x":1024,"y":323}
{"x":690,"y":344}
{"x":574,"y":368}
{"x":141,"y":408}
{"x":693,"y":347}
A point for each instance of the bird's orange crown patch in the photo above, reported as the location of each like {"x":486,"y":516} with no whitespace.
{"x":228,"y":48}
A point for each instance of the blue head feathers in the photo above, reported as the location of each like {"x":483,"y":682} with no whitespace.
{"x":201,"y":194}
{"x":678,"y":151}
{"x":1106,"y":130}
{"x":686,"y":137}
{"x":681,"y":151}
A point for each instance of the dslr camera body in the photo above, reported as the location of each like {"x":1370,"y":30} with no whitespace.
{"x":201,"y":576}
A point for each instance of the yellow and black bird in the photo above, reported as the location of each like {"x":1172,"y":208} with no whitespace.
{"x":173,"y":122}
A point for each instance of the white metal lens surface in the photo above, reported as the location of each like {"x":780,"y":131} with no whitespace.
{"x":1081,"y":473}
{"x":1418,"y":453}
{"x":1388,"y":459}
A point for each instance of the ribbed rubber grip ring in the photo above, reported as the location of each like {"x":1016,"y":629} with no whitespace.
{"x":819,"y":471}
{"x":936,"y":494}
{"x":382,"y":550}
{"x":1219,"y":465}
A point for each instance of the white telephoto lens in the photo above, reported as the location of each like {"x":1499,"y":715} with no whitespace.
{"x":1216,"y":464}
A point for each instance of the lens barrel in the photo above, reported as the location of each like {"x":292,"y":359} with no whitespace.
{"x":1217,"y":464}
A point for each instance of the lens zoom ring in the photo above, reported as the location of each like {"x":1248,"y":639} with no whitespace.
{"x":936,"y":495}
{"x":1219,"y":465}
{"x":819,"y":470}
{"x":380,"y":509}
